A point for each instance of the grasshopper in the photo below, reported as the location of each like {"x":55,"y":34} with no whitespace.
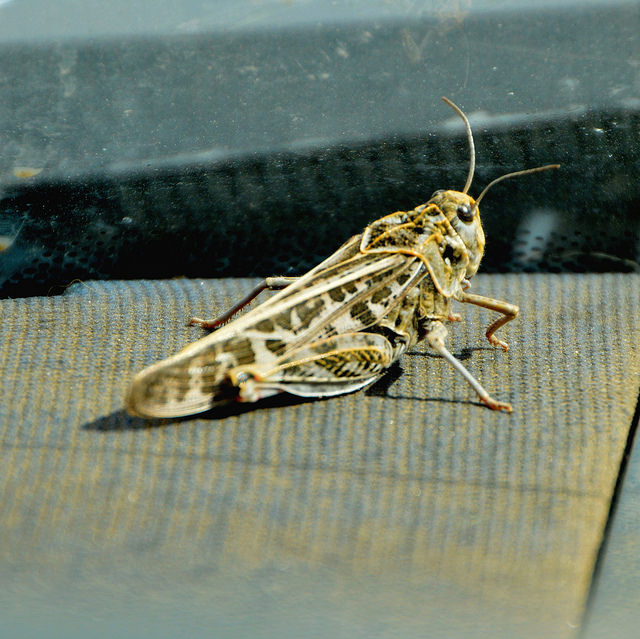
{"x":340,"y":326}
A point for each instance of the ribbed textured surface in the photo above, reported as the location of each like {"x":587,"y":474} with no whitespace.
{"x":400,"y":510}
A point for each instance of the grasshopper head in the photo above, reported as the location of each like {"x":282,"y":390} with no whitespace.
{"x":462,"y":210}
{"x":463,"y":215}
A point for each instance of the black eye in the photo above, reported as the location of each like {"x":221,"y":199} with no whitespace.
{"x":465,"y":212}
{"x":436,"y":193}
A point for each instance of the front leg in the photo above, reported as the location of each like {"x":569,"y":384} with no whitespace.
{"x":509,"y":312}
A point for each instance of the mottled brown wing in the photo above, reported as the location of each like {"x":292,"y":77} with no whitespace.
{"x":347,"y":293}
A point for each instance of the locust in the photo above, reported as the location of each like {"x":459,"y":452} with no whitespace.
{"x":339,"y":327}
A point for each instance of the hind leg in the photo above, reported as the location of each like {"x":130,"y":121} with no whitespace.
{"x":269,"y":283}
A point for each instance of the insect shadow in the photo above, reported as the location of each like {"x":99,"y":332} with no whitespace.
{"x":463,"y":354}
{"x":395,"y":371}
{"x":382,"y":386}
{"x":120,"y":420}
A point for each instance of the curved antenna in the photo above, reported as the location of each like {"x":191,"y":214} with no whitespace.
{"x":510,"y":175}
{"x":472,"y":148}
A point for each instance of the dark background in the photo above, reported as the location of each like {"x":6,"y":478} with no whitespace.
{"x":256,"y":142}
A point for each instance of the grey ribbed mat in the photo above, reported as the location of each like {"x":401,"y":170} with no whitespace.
{"x":405,"y":510}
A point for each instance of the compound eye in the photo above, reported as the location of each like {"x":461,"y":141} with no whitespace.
{"x":465,"y":212}
{"x":435,"y":193}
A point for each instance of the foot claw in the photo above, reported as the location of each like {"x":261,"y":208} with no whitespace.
{"x":209,"y":324}
{"x":494,"y":341}
{"x":494,"y":404}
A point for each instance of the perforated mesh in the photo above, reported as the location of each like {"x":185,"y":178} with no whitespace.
{"x":283,"y":213}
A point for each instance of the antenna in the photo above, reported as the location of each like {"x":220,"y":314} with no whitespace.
{"x":472,"y":166}
{"x":472,"y":148}
{"x":514,"y":174}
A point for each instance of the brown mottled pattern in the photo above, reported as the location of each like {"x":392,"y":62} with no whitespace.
{"x":275,"y":345}
{"x":404,"y":504}
{"x":311,"y":309}
{"x":362,"y":312}
{"x":242,"y":350}
{"x":381,"y":294}
{"x":266,"y":326}
{"x":350,"y":288}
{"x":332,"y":311}
{"x":284,"y":319}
